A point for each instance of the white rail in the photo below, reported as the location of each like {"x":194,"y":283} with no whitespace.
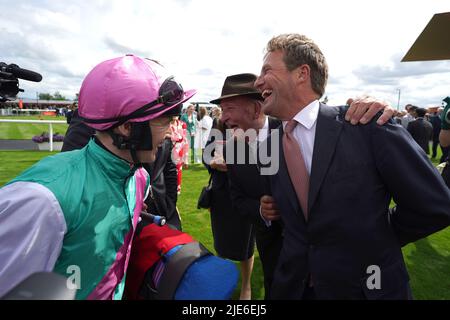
{"x":49,"y":122}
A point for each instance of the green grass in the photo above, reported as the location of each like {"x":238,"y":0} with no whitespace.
{"x":428,"y":263}
{"x":14,"y":162}
{"x":15,"y":131}
{"x":36,"y":117}
{"x":427,"y":260}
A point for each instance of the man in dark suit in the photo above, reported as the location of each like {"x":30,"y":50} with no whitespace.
{"x":334,"y":185}
{"x":435,"y":121}
{"x":421,"y":130}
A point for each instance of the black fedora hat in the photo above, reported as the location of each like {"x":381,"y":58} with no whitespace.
{"x":239,"y":85}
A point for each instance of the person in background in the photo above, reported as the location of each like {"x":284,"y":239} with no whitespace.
{"x":190,"y":118}
{"x":70,"y":112}
{"x":180,"y":150}
{"x":205,"y":125}
{"x":435,"y":121}
{"x":398,"y":117}
{"x":410,"y":115}
{"x":216,"y":114}
{"x":78,"y":133}
{"x":421,"y":130}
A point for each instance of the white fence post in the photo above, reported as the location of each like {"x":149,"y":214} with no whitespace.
{"x":50,"y":138}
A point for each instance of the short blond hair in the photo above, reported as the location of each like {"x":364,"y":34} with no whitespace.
{"x":298,"y":50}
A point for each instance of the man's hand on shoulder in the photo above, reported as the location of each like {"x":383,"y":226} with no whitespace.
{"x":362,"y":110}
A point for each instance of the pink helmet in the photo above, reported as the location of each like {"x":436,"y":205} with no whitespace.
{"x":128,"y":89}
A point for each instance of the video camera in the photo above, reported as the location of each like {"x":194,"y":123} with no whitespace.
{"x":9,"y":80}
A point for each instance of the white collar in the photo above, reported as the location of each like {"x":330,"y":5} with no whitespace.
{"x":307,"y":117}
{"x":264,"y":131}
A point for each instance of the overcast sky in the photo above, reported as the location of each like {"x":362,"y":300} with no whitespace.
{"x":201,"y":42}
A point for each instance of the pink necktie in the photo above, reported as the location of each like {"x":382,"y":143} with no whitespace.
{"x":296,"y":166}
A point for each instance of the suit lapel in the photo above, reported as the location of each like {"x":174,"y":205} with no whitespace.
{"x":273,"y":124}
{"x":328,"y":129}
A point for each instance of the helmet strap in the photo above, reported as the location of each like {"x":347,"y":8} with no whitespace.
{"x":135,"y":158}
{"x":140,"y":139}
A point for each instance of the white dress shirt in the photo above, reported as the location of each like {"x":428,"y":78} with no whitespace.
{"x":263,"y":133}
{"x":305,"y":131}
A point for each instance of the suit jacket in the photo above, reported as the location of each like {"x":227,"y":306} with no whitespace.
{"x":422,"y":132}
{"x":436,"y":123}
{"x":163,"y":181}
{"x":245,"y":186}
{"x":78,"y":133}
{"x":355,"y":172}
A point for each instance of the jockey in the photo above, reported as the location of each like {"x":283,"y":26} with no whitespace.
{"x":75,"y":213}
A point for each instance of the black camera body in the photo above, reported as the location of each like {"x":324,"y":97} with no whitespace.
{"x":9,"y":80}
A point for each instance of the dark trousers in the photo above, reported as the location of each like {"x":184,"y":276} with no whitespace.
{"x":268,"y":242}
{"x":434,"y":149}
{"x":444,"y":154}
{"x":309,"y":293}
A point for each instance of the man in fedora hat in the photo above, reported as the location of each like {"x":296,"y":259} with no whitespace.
{"x":241,"y":106}
{"x":241,"y":109}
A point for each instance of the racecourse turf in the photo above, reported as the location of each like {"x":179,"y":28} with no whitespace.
{"x":15,"y":131}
